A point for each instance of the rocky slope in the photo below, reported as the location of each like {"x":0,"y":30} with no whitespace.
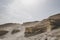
{"x":46,"y":25}
{"x":47,"y":29}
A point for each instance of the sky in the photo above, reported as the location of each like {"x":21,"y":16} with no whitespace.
{"x":19,"y":11}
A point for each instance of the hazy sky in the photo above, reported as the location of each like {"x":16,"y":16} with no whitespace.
{"x":27,"y":10}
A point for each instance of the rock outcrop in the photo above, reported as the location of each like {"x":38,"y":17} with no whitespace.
{"x":46,"y":25}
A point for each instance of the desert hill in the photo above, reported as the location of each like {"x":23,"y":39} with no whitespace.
{"x":37,"y":27}
{"x":47,"y":29}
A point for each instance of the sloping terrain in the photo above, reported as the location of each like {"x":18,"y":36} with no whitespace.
{"x":47,"y":29}
{"x":46,"y":25}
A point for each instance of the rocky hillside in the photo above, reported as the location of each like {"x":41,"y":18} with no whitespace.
{"x":47,"y":29}
{"x":46,"y":25}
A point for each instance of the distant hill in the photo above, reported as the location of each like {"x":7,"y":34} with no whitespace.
{"x":8,"y":24}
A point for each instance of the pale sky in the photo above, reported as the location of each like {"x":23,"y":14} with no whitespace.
{"x":19,"y":11}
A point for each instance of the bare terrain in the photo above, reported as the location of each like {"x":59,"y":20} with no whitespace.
{"x":47,"y":29}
